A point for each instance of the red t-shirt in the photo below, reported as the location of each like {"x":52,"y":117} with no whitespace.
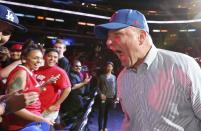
{"x":51,"y":92}
{"x":13,"y":122}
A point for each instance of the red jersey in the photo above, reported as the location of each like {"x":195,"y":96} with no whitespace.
{"x":51,"y":92}
{"x":13,"y":122}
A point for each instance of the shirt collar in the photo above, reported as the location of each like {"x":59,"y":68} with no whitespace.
{"x":150,"y":56}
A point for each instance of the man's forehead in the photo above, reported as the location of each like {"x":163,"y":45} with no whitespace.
{"x":118,"y":31}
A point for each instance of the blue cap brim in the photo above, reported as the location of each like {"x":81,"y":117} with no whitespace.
{"x":15,"y":26}
{"x":101,"y":30}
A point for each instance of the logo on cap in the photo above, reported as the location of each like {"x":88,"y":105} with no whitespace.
{"x":113,"y":16}
{"x":136,"y":23}
{"x":10,"y":16}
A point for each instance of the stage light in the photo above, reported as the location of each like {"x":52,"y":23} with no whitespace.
{"x":51,"y":37}
{"x":49,"y":19}
{"x":191,"y":30}
{"x":156,"y":30}
{"x":29,"y":16}
{"x":40,"y":17}
{"x":163,"y":30}
{"x":19,"y":14}
{"x":59,"y":20}
{"x":93,"y":15}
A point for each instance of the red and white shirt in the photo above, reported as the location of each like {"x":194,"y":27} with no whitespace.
{"x":51,"y":92}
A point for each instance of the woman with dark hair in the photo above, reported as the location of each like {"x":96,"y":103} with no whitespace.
{"x":22,"y":78}
{"x":107,"y":94}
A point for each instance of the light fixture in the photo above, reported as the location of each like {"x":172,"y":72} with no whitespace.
{"x":59,"y":20}
{"x":19,"y":14}
{"x":49,"y":19}
{"x":154,"y":30}
{"x":29,"y":16}
{"x":40,"y":17}
{"x":93,"y":15}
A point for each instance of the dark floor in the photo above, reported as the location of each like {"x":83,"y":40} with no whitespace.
{"x":114,"y":120}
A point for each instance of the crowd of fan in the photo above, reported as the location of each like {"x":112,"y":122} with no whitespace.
{"x":37,"y":85}
{"x":35,"y":69}
{"x":36,"y":81}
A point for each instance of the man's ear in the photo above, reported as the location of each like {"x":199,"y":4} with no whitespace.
{"x":142,"y":36}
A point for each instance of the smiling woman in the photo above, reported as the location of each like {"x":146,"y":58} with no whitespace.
{"x":22,"y":78}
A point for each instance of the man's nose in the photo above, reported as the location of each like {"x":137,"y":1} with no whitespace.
{"x":109,"y":44}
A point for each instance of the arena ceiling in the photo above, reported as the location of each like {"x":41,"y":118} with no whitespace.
{"x":76,"y":18}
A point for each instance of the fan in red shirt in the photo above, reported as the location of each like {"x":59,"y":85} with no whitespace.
{"x":22,"y":78}
{"x":52,"y":94}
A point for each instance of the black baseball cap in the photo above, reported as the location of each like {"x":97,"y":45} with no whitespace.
{"x":9,"y":17}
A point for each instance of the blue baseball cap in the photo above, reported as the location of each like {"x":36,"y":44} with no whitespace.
{"x":8,"y":16}
{"x":122,"y":19}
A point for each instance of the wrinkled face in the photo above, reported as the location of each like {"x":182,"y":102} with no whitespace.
{"x":5,"y":32}
{"x":125,"y":44}
{"x":15,"y":55}
{"x":77,"y":66}
{"x":51,"y":58}
{"x":60,"y":47}
{"x":34,"y":59}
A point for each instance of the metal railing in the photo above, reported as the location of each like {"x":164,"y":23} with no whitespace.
{"x":84,"y":121}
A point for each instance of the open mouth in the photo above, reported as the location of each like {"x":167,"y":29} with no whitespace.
{"x":118,"y":52}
